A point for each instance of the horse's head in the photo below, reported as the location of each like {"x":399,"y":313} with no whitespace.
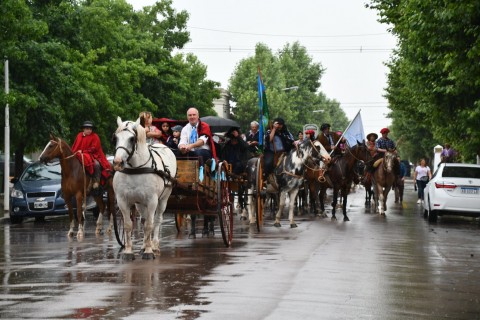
{"x":361,"y":152}
{"x":55,"y":148}
{"x":128,"y":136}
{"x":319,"y":151}
{"x":389,"y":161}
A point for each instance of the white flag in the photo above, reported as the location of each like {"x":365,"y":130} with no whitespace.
{"x":354,"y":131}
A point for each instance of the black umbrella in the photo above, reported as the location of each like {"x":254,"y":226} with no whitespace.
{"x":218,"y":124}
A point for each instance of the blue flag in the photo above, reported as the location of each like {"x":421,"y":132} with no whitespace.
{"x":263,"y":110}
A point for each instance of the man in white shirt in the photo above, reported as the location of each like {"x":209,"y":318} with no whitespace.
{"x":196,"y":138}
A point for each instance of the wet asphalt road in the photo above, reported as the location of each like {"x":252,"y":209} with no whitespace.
{"x":373,"y":267}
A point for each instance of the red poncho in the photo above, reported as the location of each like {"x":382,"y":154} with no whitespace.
{"x":204,"y":129}
{"x":92,"y":149}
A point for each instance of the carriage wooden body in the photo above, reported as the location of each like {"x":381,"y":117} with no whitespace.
{"x":214,"y":195}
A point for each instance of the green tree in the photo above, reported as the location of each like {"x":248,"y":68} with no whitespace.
{"x":290,"y":67}
{"x":96,"y":60}
{"x":433,"y":87}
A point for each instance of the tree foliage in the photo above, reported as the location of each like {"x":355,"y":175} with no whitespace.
{"x":434,"y":87}
{"x":95,"y":59}
{"x":290,"y":67}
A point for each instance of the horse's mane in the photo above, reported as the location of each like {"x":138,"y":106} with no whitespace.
{"x":64,"y":145}
{"x":132,"y":126}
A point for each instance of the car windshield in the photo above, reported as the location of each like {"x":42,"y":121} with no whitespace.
{"x":461,"y":172}
{"x":39,"y":171}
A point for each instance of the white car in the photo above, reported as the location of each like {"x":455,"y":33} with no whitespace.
{"x":453,"y":190}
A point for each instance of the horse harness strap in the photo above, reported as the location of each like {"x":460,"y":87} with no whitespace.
{"x":144,"y":170}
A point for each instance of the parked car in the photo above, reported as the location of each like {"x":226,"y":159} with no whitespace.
{"x":37,"y":193}
{"x":453,"y":190}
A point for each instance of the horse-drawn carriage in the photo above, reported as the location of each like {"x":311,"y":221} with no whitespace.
{"x":192,"y":189}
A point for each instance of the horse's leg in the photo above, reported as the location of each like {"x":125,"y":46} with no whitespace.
{"x":293,"y":193}
{"x":150,"y":210}
{"x":321,"y":197}
{"x":68,"y":202}
{"x":157,"y":226}
{"x":193,"y":222}
{"x":281,"y":205}
{"x":334,"y":203}
{"x":127,"y":227}
{"x":242,"y":199}
{"x":80,"y":216}
{"x":344,"y":203}
{"x":111,"y":207}
{"x":251,"y":206}
{"x":102,"y":211}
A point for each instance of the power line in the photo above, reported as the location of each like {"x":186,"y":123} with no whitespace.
{"x":292,"y":35}
{"x":222,"y":49}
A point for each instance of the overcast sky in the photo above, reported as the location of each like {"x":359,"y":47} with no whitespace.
{"x":342,"y":35}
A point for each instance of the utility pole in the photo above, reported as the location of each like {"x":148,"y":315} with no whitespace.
{"x":6,"y":177}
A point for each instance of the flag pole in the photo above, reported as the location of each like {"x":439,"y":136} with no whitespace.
{"x":349,"y":125}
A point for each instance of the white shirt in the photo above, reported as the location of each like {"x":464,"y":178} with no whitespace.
{"x":185,"y":138}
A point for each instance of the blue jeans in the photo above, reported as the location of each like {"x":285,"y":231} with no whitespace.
{"x":421,"y":187}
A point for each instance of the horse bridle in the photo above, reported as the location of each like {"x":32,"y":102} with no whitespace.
{"x":130,"y":152}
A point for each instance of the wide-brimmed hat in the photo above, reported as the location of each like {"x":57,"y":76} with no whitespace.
{"x":372,"y":134}
{"x":325,"y":126}
{"x":384,"y":130}
{"x":230,"y":132}
{"x":88,"y":124}
{"x":177,"y":128}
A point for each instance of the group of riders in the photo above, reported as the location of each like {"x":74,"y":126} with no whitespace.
{"x":196,"y":140}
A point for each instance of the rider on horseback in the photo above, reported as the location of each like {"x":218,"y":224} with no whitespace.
{"x":328,"y":139}
{"x":88,"y":149}
{"x":383,"y":145}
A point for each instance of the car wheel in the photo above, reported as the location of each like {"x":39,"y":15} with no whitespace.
{"x":16,"y":220}
{"x":432,"y":216}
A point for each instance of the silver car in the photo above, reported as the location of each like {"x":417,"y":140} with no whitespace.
{"x":453,"y":190}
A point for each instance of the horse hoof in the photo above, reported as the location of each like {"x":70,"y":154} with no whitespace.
{"x":128,"y":256}
{"x":276,"y":224}
{"x":192,"y":235}
{"x":293,"y":225}
{"x":346,"y":219}
{"x":148,"y":256}
{"x":204,"y":233}
{"x":333,"y":218}
{"x":253,"y":223}
{"x":242,"y":218}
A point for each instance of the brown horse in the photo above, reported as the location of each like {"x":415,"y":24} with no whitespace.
{"x":340,"y":176}
{"x":74,"y":184}
{"x":383,"y":179}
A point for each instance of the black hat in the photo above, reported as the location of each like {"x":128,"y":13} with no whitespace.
{"x":324,"y":126}
{"x":230,"y":132}
{"x":88,"y":124}
{"x":279,"y":120}
{"x":372,"y":134}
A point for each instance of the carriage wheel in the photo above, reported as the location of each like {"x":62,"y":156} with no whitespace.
{"x":119,"y":227}
{"x":258,"y":195}
{"x":225,"y":205}
{"x":179,"y":221}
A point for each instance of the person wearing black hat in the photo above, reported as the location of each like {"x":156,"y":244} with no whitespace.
{"x":88,"y":149}
{"x":235,"y":151}
{"x":328,"y":139}
{"x":278,"y":140}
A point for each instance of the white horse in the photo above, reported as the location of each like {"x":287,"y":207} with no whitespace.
{"x":144,"y":178}
{"x":289,"y":177}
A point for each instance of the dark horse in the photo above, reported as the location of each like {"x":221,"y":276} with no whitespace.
{"x":340,"y":175}
{"x":74,"y":184}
